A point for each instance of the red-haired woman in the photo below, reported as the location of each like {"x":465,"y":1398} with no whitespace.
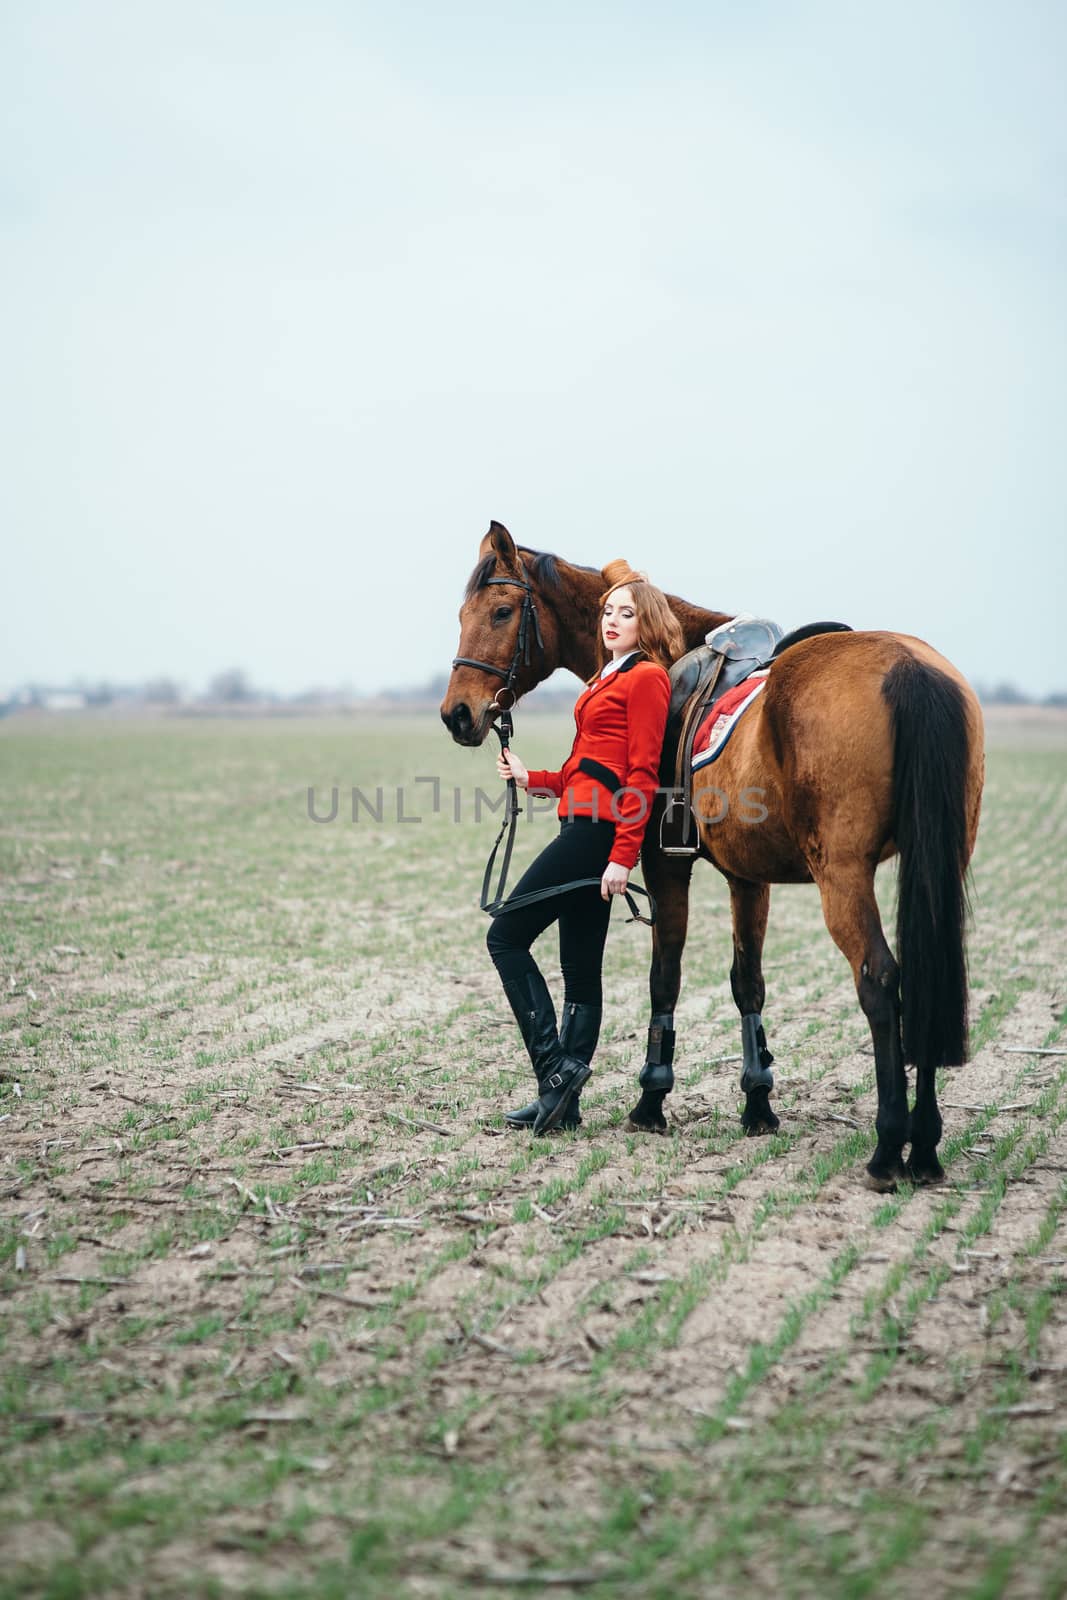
{"x":605,"y":789}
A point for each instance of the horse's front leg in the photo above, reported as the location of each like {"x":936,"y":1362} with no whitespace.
{"x":749,"y":904}
{"x":668,"y":879}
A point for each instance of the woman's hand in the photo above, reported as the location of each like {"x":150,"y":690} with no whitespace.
{"x":614,"y":880}
{"x":509,"y":766}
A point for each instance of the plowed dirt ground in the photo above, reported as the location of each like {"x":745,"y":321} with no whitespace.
{"x":286,"y":1311}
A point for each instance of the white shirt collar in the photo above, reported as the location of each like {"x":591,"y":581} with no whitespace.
{"x":616,"y":662}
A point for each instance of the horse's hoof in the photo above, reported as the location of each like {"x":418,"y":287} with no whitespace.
{"x":647,"y":1115}
{"x":657,"y":1126}
{"x":883,"y":1176}
{"x":758,"y":1126}
{"x":757,"y":1118}
{"x":924,"y":1172}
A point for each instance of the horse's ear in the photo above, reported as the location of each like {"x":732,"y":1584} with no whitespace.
{"x":615,"y":572}
{"x":500,"y":542}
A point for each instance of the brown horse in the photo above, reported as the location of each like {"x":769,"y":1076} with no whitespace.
{"x":861,"y":746}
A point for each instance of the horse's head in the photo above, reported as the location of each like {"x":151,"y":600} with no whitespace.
{"x":508,"y":639}
{"x":524,"y":614}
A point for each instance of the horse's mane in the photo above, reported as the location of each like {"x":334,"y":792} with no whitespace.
{"x":542,"y":565}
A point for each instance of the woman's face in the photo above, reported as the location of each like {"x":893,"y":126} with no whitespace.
{"x":618,"y":622}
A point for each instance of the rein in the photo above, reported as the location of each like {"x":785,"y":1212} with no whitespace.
{"x":504,"y":729}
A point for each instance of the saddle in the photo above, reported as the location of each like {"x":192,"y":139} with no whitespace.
{"x":729,"y":655}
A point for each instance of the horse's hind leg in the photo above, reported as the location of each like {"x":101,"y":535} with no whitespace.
{"x":750,"y":904}
{"x":668,"y":878}
{"x":925,"y":1131}
{"x":851,"y":913}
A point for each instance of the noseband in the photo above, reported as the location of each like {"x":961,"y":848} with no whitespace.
{"x":522,"y":645}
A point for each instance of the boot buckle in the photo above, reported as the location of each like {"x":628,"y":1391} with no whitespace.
{"x":556,"y":1081}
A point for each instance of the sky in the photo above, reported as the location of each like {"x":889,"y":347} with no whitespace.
{"x":294,"y":298}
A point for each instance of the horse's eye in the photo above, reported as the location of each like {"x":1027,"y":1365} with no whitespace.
{"x":502,"y":613}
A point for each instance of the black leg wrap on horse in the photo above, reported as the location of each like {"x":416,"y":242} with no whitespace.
{"x":756,"y":1072}
{"x":658,"y":1070}
{"x":657,"y":1075}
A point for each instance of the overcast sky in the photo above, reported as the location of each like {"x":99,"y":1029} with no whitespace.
{"x":765,"y":296}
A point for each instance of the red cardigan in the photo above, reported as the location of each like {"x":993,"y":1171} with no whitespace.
{"x":620,"y":721}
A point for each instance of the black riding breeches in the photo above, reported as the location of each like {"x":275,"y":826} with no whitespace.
{"x":582,"y":849}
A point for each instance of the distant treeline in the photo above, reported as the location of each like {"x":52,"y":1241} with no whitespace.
{"x":233,"y":690}
{"x":1006,"y":694}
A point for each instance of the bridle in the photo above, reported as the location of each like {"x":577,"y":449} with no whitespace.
{"x":503,"y":728}
{"x":522,"y":647}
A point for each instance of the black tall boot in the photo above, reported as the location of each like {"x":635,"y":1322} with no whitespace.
{"x":578,"y":1034}
{"x":559,"y":1076}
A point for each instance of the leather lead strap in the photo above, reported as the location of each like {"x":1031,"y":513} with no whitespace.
{"x":495,"y":906}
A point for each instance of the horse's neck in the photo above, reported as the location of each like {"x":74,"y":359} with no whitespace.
{"x":696,"y":622}
{"x":579,"y":608}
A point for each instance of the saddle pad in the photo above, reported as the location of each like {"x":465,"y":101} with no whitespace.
{"x":722,"y":719}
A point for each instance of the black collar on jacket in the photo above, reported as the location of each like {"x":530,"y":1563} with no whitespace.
{"x":631,"y":661}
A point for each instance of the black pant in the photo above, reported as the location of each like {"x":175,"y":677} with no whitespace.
{"x":582,"y":849}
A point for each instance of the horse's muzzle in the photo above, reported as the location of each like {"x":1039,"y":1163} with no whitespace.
{"x":463,"y":726}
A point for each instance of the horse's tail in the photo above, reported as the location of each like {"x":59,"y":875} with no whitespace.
{"x":931,"y":756}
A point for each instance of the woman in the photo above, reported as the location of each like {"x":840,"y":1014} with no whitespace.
{"x":605,"y":789}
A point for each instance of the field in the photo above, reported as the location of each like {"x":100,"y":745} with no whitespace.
{"x":285,"y":1311}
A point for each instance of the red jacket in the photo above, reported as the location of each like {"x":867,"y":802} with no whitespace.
{"x":620,"y":721}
